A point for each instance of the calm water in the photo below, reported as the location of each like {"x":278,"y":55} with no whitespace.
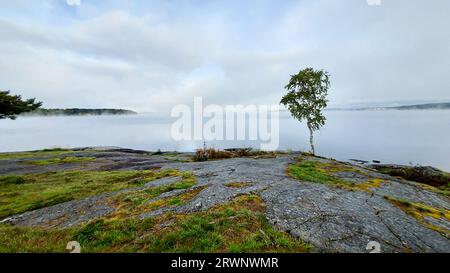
{"x":407,"y":137}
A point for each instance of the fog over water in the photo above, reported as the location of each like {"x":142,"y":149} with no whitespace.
{"x":405,"y":137}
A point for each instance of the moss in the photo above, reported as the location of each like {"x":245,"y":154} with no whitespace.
{"x":313,"y":171}
{"x":178,"y":159}
{"x":40,"y":153}
{"x":137,"y":202}
{"x":444,"y":190}
{"x":174,"y":201}
{"x":239,"y":226}
{"x":368,"y":185}
{"x":29,"y":192}
{"x":421,"y":212}
{"x":63,"y":160}
{"x":323,"y":172}
{"x":239,"y":184}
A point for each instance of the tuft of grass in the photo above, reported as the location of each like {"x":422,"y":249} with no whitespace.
{"x":63,"y":160}
{"x":238,"y":226}
{"x":19,"y":194}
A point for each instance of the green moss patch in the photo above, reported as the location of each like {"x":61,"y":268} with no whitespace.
{"x":137,"y":202}
{"x":40,"y":153}
{"x":28,"y":192}
{"x":322,"y":172}
{"x":63,"y":160}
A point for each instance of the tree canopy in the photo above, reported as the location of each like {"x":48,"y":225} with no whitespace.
{"x":307,"y":97}
{"x":13,"y":105}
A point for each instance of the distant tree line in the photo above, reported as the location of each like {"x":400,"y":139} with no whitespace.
{"x":78,"y":112}
{"x":13,"y":105}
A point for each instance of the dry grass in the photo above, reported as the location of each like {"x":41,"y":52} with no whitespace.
{"x":205,"y":154}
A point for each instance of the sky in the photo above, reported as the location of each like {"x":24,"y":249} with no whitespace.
{"x":149,"y":56}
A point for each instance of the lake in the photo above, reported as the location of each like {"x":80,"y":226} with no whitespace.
{"x":404,"y":137}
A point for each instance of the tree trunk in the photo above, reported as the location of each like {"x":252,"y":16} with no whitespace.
{"x":311,"y":140}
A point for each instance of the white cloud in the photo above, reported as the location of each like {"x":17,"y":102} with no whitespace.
{"x":155,"y":58}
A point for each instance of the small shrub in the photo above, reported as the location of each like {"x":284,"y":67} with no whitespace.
{"x":206,"y":154}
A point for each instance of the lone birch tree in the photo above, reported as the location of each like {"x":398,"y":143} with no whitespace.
{"x":307,"y":97}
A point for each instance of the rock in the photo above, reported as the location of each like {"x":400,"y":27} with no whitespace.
{"x":332,"y":219}
{"x":423,"y":174}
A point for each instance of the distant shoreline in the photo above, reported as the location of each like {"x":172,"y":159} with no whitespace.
{"x":78,"y":112}
{"x":427,"y":106}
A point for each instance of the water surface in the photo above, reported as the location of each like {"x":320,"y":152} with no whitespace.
{"x":405,"y":137}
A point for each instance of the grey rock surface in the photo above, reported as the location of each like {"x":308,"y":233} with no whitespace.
{"x":330,"y":218}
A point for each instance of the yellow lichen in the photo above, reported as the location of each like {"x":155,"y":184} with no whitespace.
{"x":369,"y":184}
{"x":421,"y":211}
{"x":238,"y":184}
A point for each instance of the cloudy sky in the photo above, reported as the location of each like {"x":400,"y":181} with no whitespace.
{"x":150,"y":55}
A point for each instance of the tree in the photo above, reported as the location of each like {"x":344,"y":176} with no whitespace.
{"x":307,"y":97}
{"x":11,"y":106}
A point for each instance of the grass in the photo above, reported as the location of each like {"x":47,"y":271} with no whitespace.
{"x":421,"y":211}
{"x":63,"y":160}
{"x":29,"y":192}
{"x":239,"y":226}
{"x":40,"y":153}
{"x":322,"y":172}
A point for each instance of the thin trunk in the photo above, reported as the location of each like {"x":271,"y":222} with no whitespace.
{"x":311,"y":140}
